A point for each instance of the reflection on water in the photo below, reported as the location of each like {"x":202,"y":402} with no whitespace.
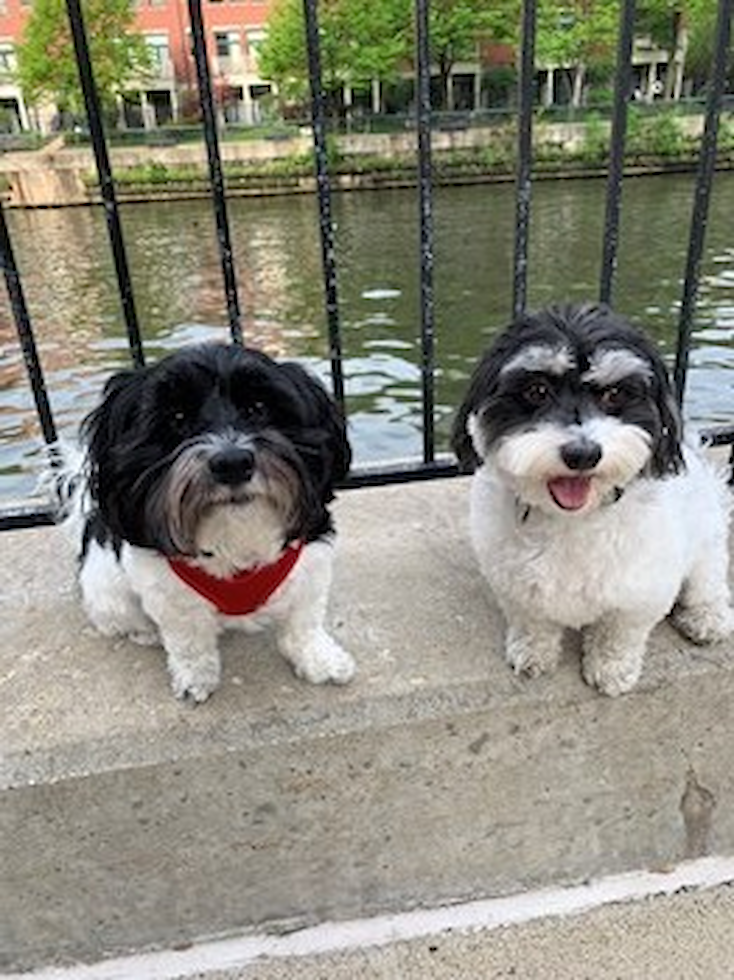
{"x":68,"y":276}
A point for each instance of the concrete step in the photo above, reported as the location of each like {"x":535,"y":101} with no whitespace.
{"x":638,"y":926}
{"x":130,"y":821}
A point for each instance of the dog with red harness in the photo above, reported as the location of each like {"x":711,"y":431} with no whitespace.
{"x":200,"y":504}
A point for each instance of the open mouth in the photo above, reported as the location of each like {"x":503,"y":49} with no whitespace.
{"x":570,"y":492}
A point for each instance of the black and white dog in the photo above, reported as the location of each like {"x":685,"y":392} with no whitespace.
{"x":200,"y":504}
{"x":587,"y":510}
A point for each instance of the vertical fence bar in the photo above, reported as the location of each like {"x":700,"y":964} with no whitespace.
{"x":106,"y":183}
{"x":425,"y":191}
{"x":704,"y":179}
{"x":622,"y":85}
{"x":25,"y":332}
{"x":216,"y":177}
{"x":524,"y":158}
{"x":323,"y":185}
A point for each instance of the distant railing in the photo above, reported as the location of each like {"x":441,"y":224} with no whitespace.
{"x":430,"y":465}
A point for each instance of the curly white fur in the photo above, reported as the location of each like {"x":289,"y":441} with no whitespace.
{"x":613,"y":572}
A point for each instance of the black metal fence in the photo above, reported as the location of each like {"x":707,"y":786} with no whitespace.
{"x":430,"y":465}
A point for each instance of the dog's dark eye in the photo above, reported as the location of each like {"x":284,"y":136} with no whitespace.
{"x":613,"y":398}
{"x":178,"y":418}
{"x":253,"y":410}
{"x":537,"y":393}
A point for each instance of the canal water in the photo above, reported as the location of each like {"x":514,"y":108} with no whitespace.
{"x":67,"y":272}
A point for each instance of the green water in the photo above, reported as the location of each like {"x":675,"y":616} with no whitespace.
{"x":67,"y":271}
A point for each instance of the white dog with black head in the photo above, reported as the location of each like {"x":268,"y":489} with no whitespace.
{"x":587,"y":512}
{"x":200,"y":504}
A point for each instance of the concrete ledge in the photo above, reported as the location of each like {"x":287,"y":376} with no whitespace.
{"x":128,"y":820}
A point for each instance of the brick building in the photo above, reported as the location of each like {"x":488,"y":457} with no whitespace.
{"x":233,"y":28}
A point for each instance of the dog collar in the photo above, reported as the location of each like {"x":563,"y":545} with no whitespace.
{"x":242,"y":593}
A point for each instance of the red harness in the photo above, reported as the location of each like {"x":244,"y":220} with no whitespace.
{"x":243,"y":593}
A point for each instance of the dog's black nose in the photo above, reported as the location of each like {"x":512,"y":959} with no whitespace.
{"x":583,"y":455}
{"x":233,"y":465}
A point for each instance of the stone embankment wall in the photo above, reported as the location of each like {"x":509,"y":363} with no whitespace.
{"x":58,"y":175}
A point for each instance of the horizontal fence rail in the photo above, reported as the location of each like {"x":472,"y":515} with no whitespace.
{"x":431,"y":465}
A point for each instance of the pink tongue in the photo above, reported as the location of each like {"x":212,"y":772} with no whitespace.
{"x":570,"y":492}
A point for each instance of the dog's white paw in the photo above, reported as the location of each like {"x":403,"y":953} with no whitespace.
{"x":531,"y":654}
{"x":703,"y":623}
{"x":194,"y":682}
{"x":611,"y":676}
{"x":322,"y":661}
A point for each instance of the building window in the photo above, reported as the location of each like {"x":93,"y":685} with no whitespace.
{"x":254,"y":40}
{"x":227,"y":45}
{"x":10,"y":116}
{"x":160,"y":102}
{"x":7,"y":59}
{"x":222,"y":45}
{"x":159,"y":50}
{"x":260,"y":91}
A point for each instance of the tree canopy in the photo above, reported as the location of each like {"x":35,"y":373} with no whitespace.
{"x":360,"y":40}
{"x":374,"y":39}
{"x":686,"y":28}
{"x":47,"y":67}
{"x":582,"y":34}
{"x":369,"y":39}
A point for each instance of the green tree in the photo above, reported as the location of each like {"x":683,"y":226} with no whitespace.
{"x":455,"y":27}
{"x":46,"y":64}
{"x":686,"y":29}
{"x":579,"y":35}
{"x":360,"y":40}
{"x":281,"y":55}
{"x":373,"y":39}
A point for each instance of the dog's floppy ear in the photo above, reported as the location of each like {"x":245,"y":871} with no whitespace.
{"x":667,"y":458}
{"x":667,"y":455}
{"x":480,"y":388}
{"x":322,"y":443}
{"x":108,"y":432}
{"x":461,"y":440}
{"x":106,"y":425}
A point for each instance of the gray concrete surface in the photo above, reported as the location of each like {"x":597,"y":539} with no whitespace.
{"x":128,"y":820}
{"x":681,"y":937}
